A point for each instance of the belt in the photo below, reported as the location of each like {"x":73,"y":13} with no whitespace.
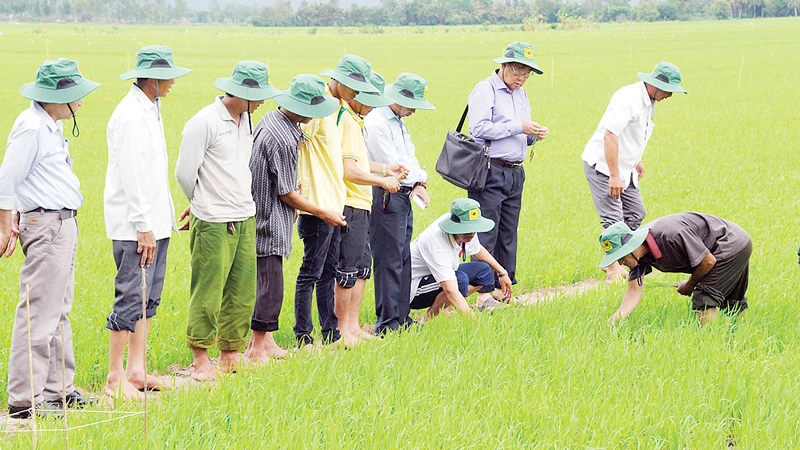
{"x":504,"y":163}
{"x":62,"y":213}
{"x":405,"y":189}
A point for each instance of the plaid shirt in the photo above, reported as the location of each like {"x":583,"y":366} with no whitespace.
{"x":274,"y":168}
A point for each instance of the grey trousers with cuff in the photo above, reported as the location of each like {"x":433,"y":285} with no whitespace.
{"x":629,"y":207}
{"x":49,"y":244}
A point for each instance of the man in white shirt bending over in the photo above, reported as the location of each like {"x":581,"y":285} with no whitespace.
{"x":440,"y":275}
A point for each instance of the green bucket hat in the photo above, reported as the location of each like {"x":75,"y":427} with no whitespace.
{"x":58,"y":82}
{"x":375,"y":99}
{"x":666,"y":76}
{"x":409,"y":91}
{"x":249,"y":81}
{"x":354,"y":72}
{"x":465,"y":217}
{"x":618,"y":240}
{"x":520,"y":52}
{"x":306,"y":97}
{"x":155,"y":62}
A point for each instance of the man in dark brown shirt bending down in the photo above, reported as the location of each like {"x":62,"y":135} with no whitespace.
{"x":716,"y":253}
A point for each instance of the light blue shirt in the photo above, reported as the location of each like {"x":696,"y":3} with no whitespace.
{"x":496,"y":114}
{"x":37,"y":169}
{"x":388,"y":142}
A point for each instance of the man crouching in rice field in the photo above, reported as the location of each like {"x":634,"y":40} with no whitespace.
{"x":213,"y":172}
{"x":273,"y":165}
{"x":36,"y":178}
{"x":139,"y":214}
{"x":715,"y":251}
{"x":440,"y":275}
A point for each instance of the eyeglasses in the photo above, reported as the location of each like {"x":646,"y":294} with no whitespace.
{"x":521,"y":72}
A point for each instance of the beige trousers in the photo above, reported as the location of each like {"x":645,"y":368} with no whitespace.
{"x":49,"y":244}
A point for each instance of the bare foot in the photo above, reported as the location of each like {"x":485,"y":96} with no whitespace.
{"x":138,"y":381}
{"x":207,"y":373}
{"x":351,"y":338}
{"x":229,"y":361}
{"x":120,"y":387}
{"x":273,"y":351}
{"x":363,"y":335}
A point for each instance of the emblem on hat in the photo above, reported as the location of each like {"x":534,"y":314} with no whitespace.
{"x":529,"y":53}
{"x":607,"y":246}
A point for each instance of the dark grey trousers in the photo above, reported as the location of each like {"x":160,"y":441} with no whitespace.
{"x":629,"y":207}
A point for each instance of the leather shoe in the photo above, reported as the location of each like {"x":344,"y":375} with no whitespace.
{"x":75,"y":400}
{"x":42,"y":410}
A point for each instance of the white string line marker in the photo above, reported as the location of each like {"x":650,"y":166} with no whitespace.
{"x":64,"y":386}
{"x":30,"y":364}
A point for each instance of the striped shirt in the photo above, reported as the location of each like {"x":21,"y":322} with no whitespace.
{"x":274,"y":168}
{"x":37,"y":169}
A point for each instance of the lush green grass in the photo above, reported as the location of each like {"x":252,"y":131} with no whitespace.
{"x":554,"y":376}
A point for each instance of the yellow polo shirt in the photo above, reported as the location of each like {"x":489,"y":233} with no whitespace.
{"x":319,"y":163}
{"x":354,"y":146}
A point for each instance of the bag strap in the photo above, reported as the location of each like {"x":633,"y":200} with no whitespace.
{"x":486,"y":142}
{"x":463,"y":118}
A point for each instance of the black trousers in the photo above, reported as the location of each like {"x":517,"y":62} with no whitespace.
{"x":501,"y":201}
{"x":390,"y":228}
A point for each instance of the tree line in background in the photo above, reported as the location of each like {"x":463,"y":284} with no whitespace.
{"x":530,"y":13}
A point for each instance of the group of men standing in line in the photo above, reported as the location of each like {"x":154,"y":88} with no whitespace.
{"x":339,"y":155}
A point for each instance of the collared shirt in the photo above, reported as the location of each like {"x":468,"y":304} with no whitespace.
{"x":137,"y":196}
{"x":37,"y":169}
{"x":496,"y":114}
{"x":437,"y":253}
{"x":320,"y":162}
{"x":630,"y":115}
{"x":213,"y":168}
{"x":274,"y":168}
{"x":683,"y":240}
{"x":354,"y":147}
{"x":388,"y":142}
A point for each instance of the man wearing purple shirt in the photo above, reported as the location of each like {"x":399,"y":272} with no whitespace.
{"x":499,"y":114}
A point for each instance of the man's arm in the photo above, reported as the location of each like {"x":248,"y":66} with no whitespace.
{"x":297,"y":201}
{"x":9,"y":230}
{"x":137,"y":189}
{"x":702,"y":269}
{"x":355,"y":175}
{"x":611,"y":152}
{"x":196,"y":137}
{"x":505,"y":280}
{"x":630,"y":299}
{"x":454,"y":297}
{"x":20,"y":154}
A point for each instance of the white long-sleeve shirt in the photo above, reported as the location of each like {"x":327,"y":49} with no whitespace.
{"x":213,"y":168}
{"x":137,"y":196}
{"x":37,"y":169}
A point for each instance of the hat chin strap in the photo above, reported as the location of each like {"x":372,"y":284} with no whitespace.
{"x":75,"y":130}
{"x":249,"y":119}
{"x":158,"y":110}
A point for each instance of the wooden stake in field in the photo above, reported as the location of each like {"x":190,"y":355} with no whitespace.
{"x":741,"y":69}
{"x":64,"y":387}
{"x":144,"y":360}
{"x":30,"y":364}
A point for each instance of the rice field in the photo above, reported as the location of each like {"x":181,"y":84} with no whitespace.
{"x":551,"y":376}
